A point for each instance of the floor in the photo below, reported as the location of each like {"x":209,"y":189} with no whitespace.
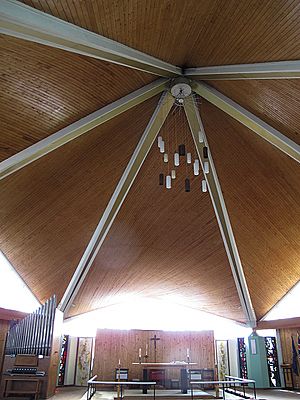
{"x":73,"y":393}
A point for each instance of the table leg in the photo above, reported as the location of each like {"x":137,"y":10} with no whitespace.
{"x":184,"y":380}
{"x":145,"y":379}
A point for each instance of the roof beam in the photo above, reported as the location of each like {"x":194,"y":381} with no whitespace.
{"x":117,"y":199}
{"x":248,"y":119}
{"x":65,"y":135}
{"x":218,"y":202}
{"x":279,"y":323}
{"x":22,"y":21}
{"x":266,"y":70}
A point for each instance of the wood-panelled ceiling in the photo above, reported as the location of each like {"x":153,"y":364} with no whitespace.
{"x":261,"y":190}
{"x":276,"y":102}
{"x":191,"y":33}
{"x":164,"y":243}
{"x":50,"y":208}
{"x":45,"y":89}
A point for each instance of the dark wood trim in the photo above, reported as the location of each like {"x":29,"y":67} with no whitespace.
{"x":8,"y":315}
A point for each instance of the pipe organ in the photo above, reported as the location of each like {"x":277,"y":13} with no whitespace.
{"x":33,"y":334}
{"x":32,"y":353}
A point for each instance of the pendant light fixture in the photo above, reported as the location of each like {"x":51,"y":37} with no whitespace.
{"x":206,"y":167}
{"x":196,"y":167}
{"x":181,"y":150}
{"x":187,"y":185}
{"x":171,"y":150}
{"x":200,"y":137}
{"x":159,"y":140}
{"x":161,"y":179}
{"x":168,"y":182}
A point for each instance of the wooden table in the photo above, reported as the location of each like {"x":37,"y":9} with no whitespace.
{"x":8,"y":388}
{"x":183,"y":371}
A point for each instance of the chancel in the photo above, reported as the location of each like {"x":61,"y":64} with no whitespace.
{"x":149,"y":207}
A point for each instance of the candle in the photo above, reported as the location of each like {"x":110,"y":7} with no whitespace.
{"x":140,"y":352}
{"x":187,"y":353}
{"x":146,"y":349}
{"x":119,"y":362}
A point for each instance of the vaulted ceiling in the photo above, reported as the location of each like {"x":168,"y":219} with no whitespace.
{"x":161,"y":242}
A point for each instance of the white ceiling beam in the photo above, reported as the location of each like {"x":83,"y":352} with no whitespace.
{"x":78,"y":128}
{"x":22,"y":21}
{"x":221,"y":213}
{"x":117,"y":199}
{"x":248,"y":119}
{"x":266,"y":70}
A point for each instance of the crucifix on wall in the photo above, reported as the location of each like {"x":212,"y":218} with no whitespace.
{"x":155,"y":339}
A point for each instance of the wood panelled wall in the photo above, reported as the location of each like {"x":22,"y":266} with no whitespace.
{"x":4,"y":326}
{"x":112,"y":345}
{"x":286,"y":347}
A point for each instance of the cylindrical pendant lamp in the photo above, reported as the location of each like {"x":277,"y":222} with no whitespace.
{"x":206,"y":167}
{"x":196,"y":167}
{"x":173,"y":174}
{"x":161,"y":179}
{"x":189,"y":158}
{"x":168,"y":182}
{"x":201,"y":137}
{"x":176,"y":159}
{"x":204,"y":186}
{"x":181,"y":150}
{"x":187,"y":185}
{"x":205,"y":152}
{"x":166,"y":158}
{"x":162,"y":147}
{"x":159,"y":140}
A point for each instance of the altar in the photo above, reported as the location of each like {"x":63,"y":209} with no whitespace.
{"x":162,"y":366}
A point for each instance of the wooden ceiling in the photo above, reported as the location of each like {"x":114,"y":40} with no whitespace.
{"x":170,"y":246}
{"x":50,"y":208}
{"x":163,"y":243}
{"x":261,"y":190}
{"x":45,"y":89}
{"x":191,"y":33}
{"x":276,"y":102}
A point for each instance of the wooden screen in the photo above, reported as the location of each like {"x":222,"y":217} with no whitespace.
{"x":112,"y":345}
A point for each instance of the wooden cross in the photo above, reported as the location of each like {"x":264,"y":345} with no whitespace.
{"x":155,"y":339}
